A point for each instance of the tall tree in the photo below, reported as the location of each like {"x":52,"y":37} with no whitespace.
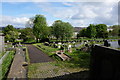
{"x":91,"y":31}
{"x":40,"y":29}
{"x":115,"y":30}
{"x":62,"y":30}
{"x":27,"y":34}
{"x":11,"y":36}
{"x":101,"y":31}
{"x":8,"y":28}
{"x":82,"y":33}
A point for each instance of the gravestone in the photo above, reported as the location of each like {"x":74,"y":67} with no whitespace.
{"x":119,"y":42}
{"x":106,"y":43}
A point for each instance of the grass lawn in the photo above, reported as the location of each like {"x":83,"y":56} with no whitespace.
{"x":6,"y":63}
{"x":1,"y":54}
{"x":79,"y":62}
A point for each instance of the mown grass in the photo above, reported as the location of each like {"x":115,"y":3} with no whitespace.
{"x":79,"y":62}
{"x":78,"y":58}
{"x":1,"y":54}
{"x":6,"y":63}
{"x":46,"y":49}
{"x":27,"y":55}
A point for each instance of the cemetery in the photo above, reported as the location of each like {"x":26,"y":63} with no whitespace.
{"x":58,"y":51}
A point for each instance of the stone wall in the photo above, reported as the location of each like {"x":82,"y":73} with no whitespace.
{"x":1,"y":42}
{"x":105,"y":63}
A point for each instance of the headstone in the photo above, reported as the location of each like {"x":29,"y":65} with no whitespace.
{"x":119,"y":41}
{"x":106,"y":43}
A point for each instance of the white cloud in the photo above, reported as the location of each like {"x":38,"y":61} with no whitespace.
{"x":15,"y":21}
{"x":60,"y":0}
{"x":77,"y":13}
{"x":85,"y":13}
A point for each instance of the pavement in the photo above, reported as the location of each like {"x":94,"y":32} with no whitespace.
{"x":16,"y":69}
{"x":37,"y":56}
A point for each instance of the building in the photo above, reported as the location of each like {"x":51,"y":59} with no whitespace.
{"x":109,"y":29}
{"x":1,"y":42}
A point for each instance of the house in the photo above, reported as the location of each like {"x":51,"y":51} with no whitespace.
{"x":109,"y":29}
{"x":1,"y":42}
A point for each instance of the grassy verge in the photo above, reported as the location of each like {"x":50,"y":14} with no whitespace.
{"x":27,"y":55}
{"x":79,"y":62}
{"x":6,"y":63}
{"x":79,"y":58}
{"x":46,"y":49}
{"x":1,"y":54}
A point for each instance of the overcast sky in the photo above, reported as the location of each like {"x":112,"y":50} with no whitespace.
{"x":79,"y":14}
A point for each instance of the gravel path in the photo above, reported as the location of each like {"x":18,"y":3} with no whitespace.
{"x":37,"y":56}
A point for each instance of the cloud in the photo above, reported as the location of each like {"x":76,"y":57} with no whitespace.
{"x":60,"y":0}
{"x":15,"y":21}
{"x":84,"y":13}
{"x":77,"y":13}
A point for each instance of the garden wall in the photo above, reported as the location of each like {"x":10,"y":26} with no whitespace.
{"x":105,"y":63}
{"x":1,"y":42}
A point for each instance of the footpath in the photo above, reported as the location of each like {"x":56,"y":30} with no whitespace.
{"x":17,"y":70}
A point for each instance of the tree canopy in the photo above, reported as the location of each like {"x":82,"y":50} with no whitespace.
{"x":11,"y":34}
{"x":40,"y":28}
{"x":62,"y":30}
{"x":94,"y":31}
{"x":115,"y":31}
{"x":27,"y":34}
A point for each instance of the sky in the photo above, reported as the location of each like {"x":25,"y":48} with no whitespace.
{"x":77,"y":13}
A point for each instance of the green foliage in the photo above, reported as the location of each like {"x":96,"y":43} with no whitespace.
{"x":40,"y":29}
{"x":49,"y":50}
{"x":11,"y":36}
{"x":82,"y":33}
{"x":10,"y":33}
{"x":94,"y":31}
{"x":101,"y":31}
{"x":1,"y":54}
{"x":8,"y":28}
{"x":27,"y":34}
{"x":27,"y":55}
{"x":119,"y":33}
{"x":115,"y":31}
{"x":62,"y":30}
{"x":91,"y":31}
{"x":6,"y":63}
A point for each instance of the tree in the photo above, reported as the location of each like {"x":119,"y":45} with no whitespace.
{"x":68,"y":30}
{"x":115,"y":30}
{"x":11,"y":36}
{"x":91,"y":31}
{"x":62,"y":30}
{"x":40,"y":29}
{"x":119,"y":32}
{"x":8,"y":28}
{"x":101,"y":31}
{"x":27,"y":34}
{"x":82,"y":33}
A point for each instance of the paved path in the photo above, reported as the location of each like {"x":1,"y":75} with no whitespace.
{"x":37,"y":56}
{"x":17,"y":70}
